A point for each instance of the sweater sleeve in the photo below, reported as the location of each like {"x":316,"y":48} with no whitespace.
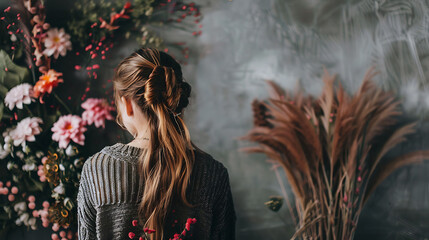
{"x":224,"y":217}
{"x":85,"y":211}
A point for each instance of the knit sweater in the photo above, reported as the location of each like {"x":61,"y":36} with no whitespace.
{"x":110,"y":191}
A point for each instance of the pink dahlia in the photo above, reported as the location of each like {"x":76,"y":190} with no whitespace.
{"x":26,"y":130}
{"x":96,"y":111}
{"x":69,"y":128}
{"x":57,"y":42}
{"x":19,"y":95}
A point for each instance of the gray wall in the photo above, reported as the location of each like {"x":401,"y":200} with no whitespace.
{"x":245,"y":42}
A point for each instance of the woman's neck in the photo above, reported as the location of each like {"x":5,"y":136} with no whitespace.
{"x":139,"y":143}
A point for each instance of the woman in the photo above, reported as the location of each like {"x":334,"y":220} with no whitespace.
{"x":160,"y":179}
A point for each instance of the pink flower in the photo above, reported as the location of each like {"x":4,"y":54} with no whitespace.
{"x":96,"y":111}
{"x":41,"y":173}
{"x":45,"y":204}
{"x":57,"y":42}
{"x":69,"y":128}
{"x":31,"y":205}
{"x":25,"y":130}
{"x":35,"y":213}
{"x":19,"y":95}
{"x":31,"y":198}
{"x":54,"y":236}
{"x":11,"y":198}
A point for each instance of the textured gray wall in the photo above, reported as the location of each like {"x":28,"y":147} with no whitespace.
{"x":247,"y":41}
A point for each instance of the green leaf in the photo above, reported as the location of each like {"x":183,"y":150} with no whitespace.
{"x":8,"y":79}
{"x":3,"y":91}
{"x":32,"y":185}
{"x":1,"y":109}
{"x":14,"y":75}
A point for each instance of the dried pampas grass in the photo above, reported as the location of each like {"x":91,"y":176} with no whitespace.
{"x":331,"y":150}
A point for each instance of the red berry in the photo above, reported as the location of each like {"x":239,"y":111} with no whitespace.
{"x":134,"y":223}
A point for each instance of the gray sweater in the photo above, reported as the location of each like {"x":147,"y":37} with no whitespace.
{"x":110,"y":190}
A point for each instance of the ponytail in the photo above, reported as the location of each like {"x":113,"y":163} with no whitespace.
{"x":154,"y":80}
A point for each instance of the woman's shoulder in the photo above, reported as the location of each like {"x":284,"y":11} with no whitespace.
{"x":105,"y":158}
{"x":93,"y":163}
{"x":207,"y":160}
{"x":209,"y":169}
{"x":209,"y":180}
{"x":117,"y":151}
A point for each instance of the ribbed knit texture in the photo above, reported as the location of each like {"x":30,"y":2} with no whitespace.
{"x":110,"y":191}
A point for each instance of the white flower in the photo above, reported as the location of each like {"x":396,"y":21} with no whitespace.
{"x":20,"y":154}
{"x":57,"y":42}
{"x":20,"y":207}
{"x":27,"y":150}
{"x":78,"y":163}
{"x":32,"y":223}
{"x":4,"y":152}
{"x":13,"y":37}
{"x":29,"y":167}
{"x":39,"y":154}
{"x":24,"y":218}
{"x":60,"y":189}
{"x":18,"y":222}
{"x":25,"y":131}
{"x":6,"y":134}
{"x":19,"y":95}
{"x":57,"y":191}
{"x":10,"y":165}
{"x":7,"y":147}
{"x":70,"y":151}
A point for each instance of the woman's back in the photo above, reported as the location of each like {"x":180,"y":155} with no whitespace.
{"x":111,"y":190}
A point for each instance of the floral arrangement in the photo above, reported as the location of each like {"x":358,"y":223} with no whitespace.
{"x":333,"y":150}
{"x":42,"y":145}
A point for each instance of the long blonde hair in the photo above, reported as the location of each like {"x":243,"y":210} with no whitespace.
{"x":153,"y":79}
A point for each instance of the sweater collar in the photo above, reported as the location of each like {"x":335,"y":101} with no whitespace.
{"x":126,"y":150}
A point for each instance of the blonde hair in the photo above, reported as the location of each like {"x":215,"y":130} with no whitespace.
{"x":153,"y":79}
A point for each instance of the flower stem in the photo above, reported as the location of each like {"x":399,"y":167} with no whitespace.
{"x":62,"y":103}
{"x":28,"y":110}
